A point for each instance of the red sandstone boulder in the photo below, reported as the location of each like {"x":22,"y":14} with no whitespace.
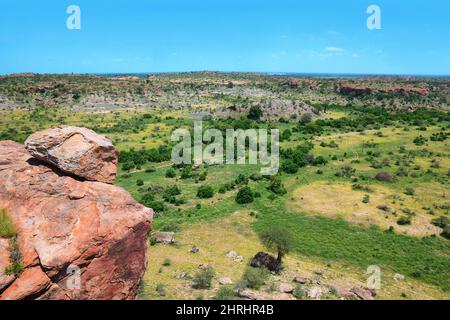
{"x":77,"y":151}
{"x":69,"y":228}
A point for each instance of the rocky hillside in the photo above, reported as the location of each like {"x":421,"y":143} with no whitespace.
{"x":71,"y":233}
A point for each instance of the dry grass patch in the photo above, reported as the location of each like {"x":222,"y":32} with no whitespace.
{"x":340,"y":200}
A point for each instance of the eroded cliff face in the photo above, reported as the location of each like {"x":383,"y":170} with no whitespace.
{"x":77,"y":239}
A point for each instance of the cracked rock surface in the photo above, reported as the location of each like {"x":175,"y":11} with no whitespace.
{"x":77,"y":151}
{"x":65,"y":224}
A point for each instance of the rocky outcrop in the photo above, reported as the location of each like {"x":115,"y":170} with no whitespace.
{"x":77,"y":239}
{"x":265,"y":260}
{"x":362,"y":90}
{"x":78,"y":151}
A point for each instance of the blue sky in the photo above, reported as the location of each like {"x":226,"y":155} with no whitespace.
{"x":321,"y":36}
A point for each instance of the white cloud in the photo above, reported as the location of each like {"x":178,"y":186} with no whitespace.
{"x":334,"y":50}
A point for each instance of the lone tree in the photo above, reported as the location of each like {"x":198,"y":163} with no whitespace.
{"x":254,"y":113}
{"x":279,"y":240}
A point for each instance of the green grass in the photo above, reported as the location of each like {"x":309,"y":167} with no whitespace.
{"x":425,"y":259}
{"x":7,"y":229}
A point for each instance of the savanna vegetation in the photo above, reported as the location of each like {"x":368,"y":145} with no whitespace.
{"x":363,"y":178}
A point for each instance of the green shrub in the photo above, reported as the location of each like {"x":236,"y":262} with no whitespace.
{"x":276,"y":186}
{"x":205,"y":192}
{"x":7,"y":229}
{"x":404,"y":220}
{"x":15,"y":258}
{"x":255,"y":113}
{"x":139,"y":182}
{"x":186,"y":173}
{"x":440,"y":222}
{"x":289,"y":166}
{"x":160,"y":289}
{"x":203,"y":278}
{"x":225,"y":293}
{"x":241,"y":180}
{"x":254,"y":278}
{"x":245,"y":195}
{"x":167,"y":262}
{"x":446,"y":232}
{"x":366,"y":198}
{"x":171,"y":173}
{"x":299,"y":292}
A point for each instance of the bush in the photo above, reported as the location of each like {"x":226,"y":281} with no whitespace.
{"x":167,"y":262}
{"x":241,"y":180}
{"x":366,"y":198}
{"x":254,"y":113}
{"x":203,"y":278}
{"x":15,"y":257}
{"x":299,"y":292}
{"x":419,"y":141}
{"x":440,"y":222}
{"x":404,"y":220}
{"x":289,"y":166}
{"x":254,"y":278}
{"x":139,"y":182}
{"x":320,"y":160}
{"x":171,"y":173}
{"x":225,"y":293}
{"x":409,"y":191}
{"x":160,"y":290}
{"x":245,"y":195}
{"x":276,"y":186}
{"x":446,"y":232}
{"x":170,"y":193}
{"x":205,"y":192}
{"x":186,"y":173}
{"x":7,"y":229}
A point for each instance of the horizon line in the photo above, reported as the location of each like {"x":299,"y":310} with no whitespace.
{"x":272,"y":73}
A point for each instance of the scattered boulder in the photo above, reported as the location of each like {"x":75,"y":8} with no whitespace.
{"x":301,"y":279}
{"x":319,"y":272}
{"x":64,"y":223}
{"x":342,"y":292}
{"x":248,"y":294}
{"x":265,"y":260}
{"x":384,"y":176}
{"x":163,"y":237}
{"x":77,"y":151}
{"x":203,"y":266}
{"x":232,"y":254}
{"x":225,"y":281}
{"x":316,"y":292}
{"x":399,"y":277}
{"x":286,"y":288}
{"x":32,"y":280}
{"x":194,"y":249}
{"x":363,"y":293}
{"x":383,"y":207}
{"x":184,"y":276}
